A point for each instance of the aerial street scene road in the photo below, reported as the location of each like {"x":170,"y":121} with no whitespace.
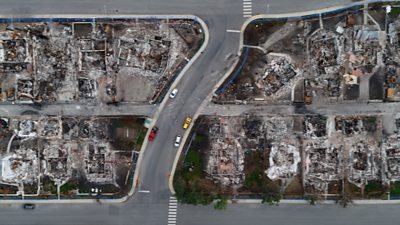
{"x":188,"y":112}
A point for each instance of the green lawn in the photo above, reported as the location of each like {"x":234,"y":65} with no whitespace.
{"x":395,"y":188}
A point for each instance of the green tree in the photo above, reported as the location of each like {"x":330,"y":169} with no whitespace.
{"x":271,"y":199}
{"x":312,"y":199}
{"x":221,"y":204}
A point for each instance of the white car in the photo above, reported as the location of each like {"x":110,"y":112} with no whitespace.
{"x":173,"y":93}
{"x":177,"y":141}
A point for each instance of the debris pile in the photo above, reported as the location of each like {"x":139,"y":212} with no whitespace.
{"x":278,"y":73}
{"x":283,"y":161}
{"x":60,"y":149}
{"x":226,"y":156}
{"x":93,"y":61}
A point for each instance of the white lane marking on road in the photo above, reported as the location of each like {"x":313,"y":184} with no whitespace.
{"x":247,"y":8}
{"x":172,"y":210}
{"x":233,"y":31}
{"x":144,"y":191}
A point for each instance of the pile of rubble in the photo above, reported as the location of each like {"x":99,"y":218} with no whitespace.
{"x":60,"y":149}
{"x":365,"y":163}
{"x":323,"y":150}
{"x":322,"y":166}
{"x":283,"y":161}
{"x":226,"y":157}
{"x":231,"y":137}
{"x":96,"y":60}
{"x":278,"y":73}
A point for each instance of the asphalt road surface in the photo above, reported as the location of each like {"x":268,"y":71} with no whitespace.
{"x":78,"y":109}
{"x":152,"y":208}
{"x":323,"y":109}
{"x":290,"y":215}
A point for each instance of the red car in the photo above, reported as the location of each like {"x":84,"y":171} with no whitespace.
{"x":153,"y":133}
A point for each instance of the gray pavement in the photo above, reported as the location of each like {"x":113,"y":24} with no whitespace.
{"x":78,"y":110}
{"x":151,"y":208}
{"x":348,"y":108}
{"x":290,"y":215}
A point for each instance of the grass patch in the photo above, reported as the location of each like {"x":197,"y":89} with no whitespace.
{"x":194,"y":164}
{"x":395,"y":12}
{"x":395,"y":188}
{"x":68,"y":187}
{"x":190,"y":183}
{"x":256,"y":181}
{"x":374,"y":189}
{"x":50,"y":187}
{"x":373,"y":186}
{"x":140,"y":137}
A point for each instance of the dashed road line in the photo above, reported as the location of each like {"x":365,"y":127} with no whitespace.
{"x":233,"y":31}
{"x":172,"y":210}
{"x":247,"y":8}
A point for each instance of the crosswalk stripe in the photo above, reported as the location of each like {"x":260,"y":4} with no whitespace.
{"x":172,"y":210}
{"x":247,"y":8}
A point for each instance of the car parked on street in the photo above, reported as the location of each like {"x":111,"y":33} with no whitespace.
{"x":153,"y":133}
{"x":187,"y":123}
{"x":29,"y":206}
{"x":173,"y":93}
{"x":178,"y":140}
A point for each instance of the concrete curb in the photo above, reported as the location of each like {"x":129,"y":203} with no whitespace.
{"x":162,"y":105}
{"x":157,"y":113}
{"x":186,"y":134}
{"x":323,"y":202}
{"x":207,"y":100}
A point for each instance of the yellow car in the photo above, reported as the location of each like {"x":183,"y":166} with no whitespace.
{"x":187,"y":123}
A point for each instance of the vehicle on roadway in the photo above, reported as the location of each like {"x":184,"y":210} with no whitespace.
{"x":187,"y":123}
{"x":29,"y":206}
{"x":153,"y":133}
{"x":173,"y":93}
{"x":178,"y":140}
